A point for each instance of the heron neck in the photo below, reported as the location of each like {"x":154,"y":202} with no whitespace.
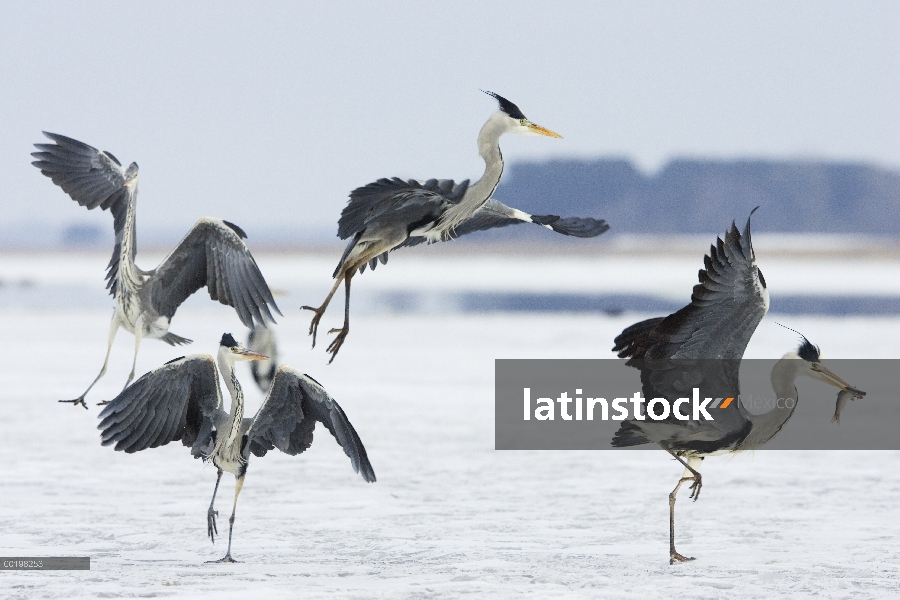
{"x":128,"y":271}
{"x":479,"y":192}
{"x":767,"y":425}
{"x":234,"y":387}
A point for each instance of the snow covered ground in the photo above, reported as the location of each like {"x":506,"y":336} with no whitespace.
{"x":449,"y":516}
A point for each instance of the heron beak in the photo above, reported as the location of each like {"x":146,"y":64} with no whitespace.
{"x":250,"y":355}
{"x":832,"y":379}
{"x":543,"y":131}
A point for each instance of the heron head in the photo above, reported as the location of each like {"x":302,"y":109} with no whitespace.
{"x":811,"y":365}
{"x":234,"y":350}
{"x":515,"y":121}
{"x":131,"y":174}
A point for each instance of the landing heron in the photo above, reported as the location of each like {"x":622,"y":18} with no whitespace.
{"x":726,"y":307}
{"x":393,"y":213}
{"x":181,"y":401}
{"x":212,"y":254}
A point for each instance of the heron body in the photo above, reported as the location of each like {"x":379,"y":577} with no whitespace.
{"x":181,"y":400}
{"x":212,"y":254}
{"x":393,"y":213}
{"x":702,"y":345}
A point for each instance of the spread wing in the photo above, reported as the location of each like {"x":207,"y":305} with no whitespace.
{"x":213,"y":254}
{"x":90,"y":177}
{"x":701,"y":344}
{"x":496,"y":214}
{"x":289,"y":414}
{"x":177,"y":401}
{"x":410,"y":202}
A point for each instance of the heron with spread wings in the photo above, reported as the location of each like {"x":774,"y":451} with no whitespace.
{"x":212,"y":254}
{"x":701,"y":346}
{"x":393,"y":213}
{"x":181,"y":400}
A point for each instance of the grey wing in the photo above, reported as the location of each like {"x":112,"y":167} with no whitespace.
{"x":385,"y":197}
{"x":288,"y":416}
{"x":703,"y":343}
{"x":496,"y":214}
{"x":177,"y":401}
{"x":213,"y":254}
{"x":90,"y":177}
{"x":726,"y":307}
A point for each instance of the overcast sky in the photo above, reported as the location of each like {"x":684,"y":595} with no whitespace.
{"x":268,"y":114}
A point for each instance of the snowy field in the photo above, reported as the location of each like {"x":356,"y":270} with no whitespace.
{"x":449,"y":515}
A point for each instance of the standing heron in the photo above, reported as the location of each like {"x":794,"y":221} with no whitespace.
{"x":181,"y":401}
{"x":726,"y":307}
{"x":212,"y":254}
{"x":392,"y":213}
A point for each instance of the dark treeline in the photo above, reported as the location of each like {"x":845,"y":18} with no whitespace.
{"x":696,"y":196}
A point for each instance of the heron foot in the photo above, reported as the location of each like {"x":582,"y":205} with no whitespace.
{"x":104,"y":403}
{"x":225,"y":559}
{"x":211,"y":524}
{"x":675,"y":557}
{"x":76,"y":402}
{"x":314,"y":324}
{"x":695,"y":487}
{"x":337,"y":342}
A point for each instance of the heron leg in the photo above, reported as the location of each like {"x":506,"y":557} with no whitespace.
{"x":113,"y":328}
{"x":211,"y":514}
{"x":238,"y":484}
{"x":314,"y":324}
{"x":674,"y":556}
{"x":338,"y":341}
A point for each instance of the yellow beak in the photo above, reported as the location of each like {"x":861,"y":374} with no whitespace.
{"x":543,"y":131}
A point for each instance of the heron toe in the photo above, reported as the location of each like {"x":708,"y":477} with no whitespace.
{"x":675,"y":557}
{"x":337,"y":342}
{"x":211,"y":524}
{"x":76,"y":402}
{"x":695,"y":487}
{"x":314,"y":324}
{"x":227,"y":559}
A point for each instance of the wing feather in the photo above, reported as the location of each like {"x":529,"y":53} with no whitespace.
{"x":177,"y":401}
{"x":213,"y":254}
{"x":288,"y":416}
{"x":90,"y":177}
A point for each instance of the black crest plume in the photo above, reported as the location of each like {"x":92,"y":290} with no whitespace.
{"x":506,"y":106}
{"x":228,"y":341}
{"x":807,"y":350}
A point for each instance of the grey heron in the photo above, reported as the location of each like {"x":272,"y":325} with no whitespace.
{"x":726,"y":307}
{"x":393,"y":213}
{"x":181,"y":401}
{"x":212,"y":254}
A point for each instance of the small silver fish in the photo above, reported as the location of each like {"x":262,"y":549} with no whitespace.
{"x":842,"y":397}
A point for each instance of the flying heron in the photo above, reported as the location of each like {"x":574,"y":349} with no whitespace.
{"x":393,"y":213}
{"x":181,"y":400}
{"x":726,"y":307}
{"x":212,"y":254}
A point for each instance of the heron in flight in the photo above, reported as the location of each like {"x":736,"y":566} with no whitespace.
{"x":393,"y":213}
{"x":726,"y":307}
{"x":181,"y":401}
{"x":212,"y":254}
